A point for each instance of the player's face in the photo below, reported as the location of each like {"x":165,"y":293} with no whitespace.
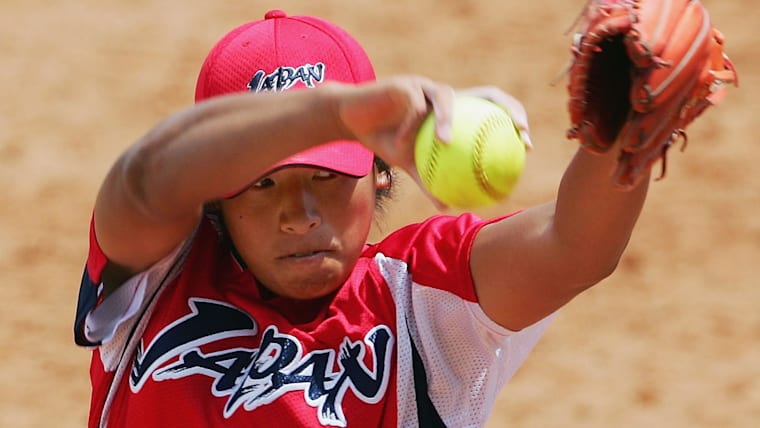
{"x":301,"y":230}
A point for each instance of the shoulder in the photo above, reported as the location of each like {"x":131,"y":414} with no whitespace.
{"x":434,"y":253}
{"x":439,"y":233}
{"x":435,"y":227}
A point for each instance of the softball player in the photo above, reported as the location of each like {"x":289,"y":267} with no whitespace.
{"x":229,"y":280}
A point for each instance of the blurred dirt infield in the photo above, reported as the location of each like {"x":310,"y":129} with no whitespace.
{"x":671,"y":340}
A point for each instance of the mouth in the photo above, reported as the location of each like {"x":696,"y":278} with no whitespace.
{"x":305,"y":254}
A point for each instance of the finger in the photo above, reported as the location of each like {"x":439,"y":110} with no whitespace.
{"x":443,"y":108}
{"x":519,"y":117}
{"x":441,"y":97}
{"x":518,"y":114}
{"x":417,"y":109}
{"x":511,"y":104}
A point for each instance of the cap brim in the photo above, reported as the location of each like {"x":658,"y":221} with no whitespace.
{"x":344,"y":157}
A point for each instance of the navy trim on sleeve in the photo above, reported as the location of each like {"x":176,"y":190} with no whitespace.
{"x":427,"y":415}
{"x":88,"y":299}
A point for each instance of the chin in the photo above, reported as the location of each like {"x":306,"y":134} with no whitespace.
{"x":302,"y":290}
{"x":311,"y":294}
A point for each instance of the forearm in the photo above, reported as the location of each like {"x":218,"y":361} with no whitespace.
{"x":593,"y":220}
{"x":217,"y":147}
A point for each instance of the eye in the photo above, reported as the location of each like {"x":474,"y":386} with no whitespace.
{"x":263,"y":183}
{"x":323,"y":175}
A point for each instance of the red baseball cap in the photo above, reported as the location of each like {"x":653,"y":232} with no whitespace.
{"x":284,"y":52}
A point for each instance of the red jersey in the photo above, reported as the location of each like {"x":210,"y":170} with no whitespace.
{"x":195,"y":341}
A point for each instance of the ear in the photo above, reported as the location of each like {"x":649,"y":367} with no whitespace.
{"x":382,"y":179}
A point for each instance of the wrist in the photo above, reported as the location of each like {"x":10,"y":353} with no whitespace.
{"x":329,"y":101}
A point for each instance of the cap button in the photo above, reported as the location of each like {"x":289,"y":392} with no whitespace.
{"x":276,"y":13}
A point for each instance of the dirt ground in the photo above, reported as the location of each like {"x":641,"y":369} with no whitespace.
{"x":670,"y":340}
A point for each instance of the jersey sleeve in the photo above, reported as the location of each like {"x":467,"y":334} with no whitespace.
{"x":98,"y":320}
{"x":437,"y":252}
{"x":467,"y":357}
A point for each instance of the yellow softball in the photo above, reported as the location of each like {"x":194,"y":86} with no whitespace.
{"x":481,"y":164}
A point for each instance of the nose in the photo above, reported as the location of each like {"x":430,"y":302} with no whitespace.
{"x":299,"y":213}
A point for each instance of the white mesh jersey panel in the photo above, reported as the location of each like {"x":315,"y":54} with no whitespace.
{"x":110,"y":324}
{"x":113,"y":320}
{"x":468,"y":358}
{"x":396,"y":276}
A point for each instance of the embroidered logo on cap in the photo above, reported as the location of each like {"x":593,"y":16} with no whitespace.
{"x":284,"y":78}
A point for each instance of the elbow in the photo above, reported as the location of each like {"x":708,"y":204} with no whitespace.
{"x":588,"y":262}
{"x":604,"y":270}
{"x":134,"y":180}
{"x":578,"y":274}
{"x":586,"y":274}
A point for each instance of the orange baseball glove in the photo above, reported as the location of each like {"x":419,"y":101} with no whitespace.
{"x":641,"y":71}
